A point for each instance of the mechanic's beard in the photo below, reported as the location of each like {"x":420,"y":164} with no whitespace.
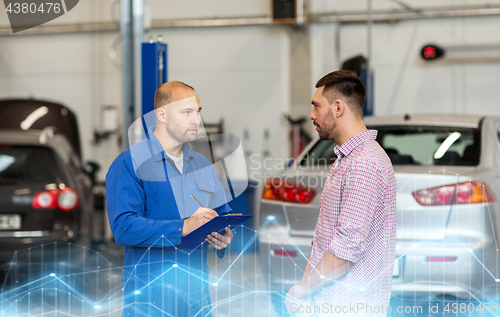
{"x":179,"y":135}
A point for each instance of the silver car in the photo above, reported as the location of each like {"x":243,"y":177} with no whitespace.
{"x":448,"y":210}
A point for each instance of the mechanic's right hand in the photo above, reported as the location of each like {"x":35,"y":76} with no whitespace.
{"x":200,"y":217}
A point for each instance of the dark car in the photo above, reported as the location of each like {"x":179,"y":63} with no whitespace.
{"x":45,"y":193}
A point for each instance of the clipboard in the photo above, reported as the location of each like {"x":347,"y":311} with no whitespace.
{"x":218,"y":224}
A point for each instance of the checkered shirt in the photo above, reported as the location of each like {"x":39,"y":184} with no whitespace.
{"x":357,"y":222}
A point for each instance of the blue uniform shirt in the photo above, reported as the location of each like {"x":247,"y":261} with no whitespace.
{"x":148,"y":198}
{"x":147,"y":202}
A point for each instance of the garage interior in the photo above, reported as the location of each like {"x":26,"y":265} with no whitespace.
{"x":254,"y":64}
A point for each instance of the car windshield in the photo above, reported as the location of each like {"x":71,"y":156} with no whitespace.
{"x":29,"y":165}
{"x":414,"y":145}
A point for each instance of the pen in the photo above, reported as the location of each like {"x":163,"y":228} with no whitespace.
{"x":197,"y":201}
{"x":201,"y":205}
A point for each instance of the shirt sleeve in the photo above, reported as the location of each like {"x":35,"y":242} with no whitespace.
{"x":125,"y":199}
{"x":360,"y":197}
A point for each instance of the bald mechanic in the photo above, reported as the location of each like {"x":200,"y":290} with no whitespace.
{"x":148,"y":192}
{"x":349,"y":271}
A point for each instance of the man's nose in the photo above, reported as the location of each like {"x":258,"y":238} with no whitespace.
{"x":312,"y":115}
{"x":196,"y":120}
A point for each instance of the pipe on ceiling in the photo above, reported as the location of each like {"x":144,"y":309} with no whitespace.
{"x":333,"y":17}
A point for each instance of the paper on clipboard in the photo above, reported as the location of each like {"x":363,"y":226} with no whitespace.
{"x":195,"y":238}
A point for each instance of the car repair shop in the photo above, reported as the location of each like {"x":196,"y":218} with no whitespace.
{"x":97,"y":97}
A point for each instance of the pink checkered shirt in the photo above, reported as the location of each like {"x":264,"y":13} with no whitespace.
{"x":357,"y":222}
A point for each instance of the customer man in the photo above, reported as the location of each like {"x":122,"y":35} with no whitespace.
{"x":150,"y":208}
{"x":351,"y":261}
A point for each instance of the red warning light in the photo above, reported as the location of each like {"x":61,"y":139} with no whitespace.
{"x":430,"y":52}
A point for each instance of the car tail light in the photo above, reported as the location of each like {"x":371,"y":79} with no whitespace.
{"x":45,"y":199}
{"x":65,"y":200}
{"x":276,"y":189}
{"x":441,"y":258}
{"x":455,"y":194}
{"x":284,"y":253}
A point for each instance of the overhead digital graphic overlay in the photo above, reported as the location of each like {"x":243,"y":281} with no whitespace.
{"x":70,"y":280}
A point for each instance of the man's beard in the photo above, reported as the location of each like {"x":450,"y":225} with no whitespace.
{"x":178,"y":134}
{"x":327,"y":127}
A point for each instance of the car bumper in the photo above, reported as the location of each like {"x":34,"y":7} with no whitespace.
{"x":465,"y":270}
{"x":20,"y":241}
{"x":282,"y":271}
{"x":465,"y":273}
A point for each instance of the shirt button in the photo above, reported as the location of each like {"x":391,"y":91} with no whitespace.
{"x":178,"y":243}
{"x":180,"y":229}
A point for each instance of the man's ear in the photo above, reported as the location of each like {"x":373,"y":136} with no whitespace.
{"x":338,"y":107}
{"x":161,"y":114}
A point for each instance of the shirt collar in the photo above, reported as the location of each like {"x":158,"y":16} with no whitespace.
{"x":349,"y":146}
{"x":158,"y":152}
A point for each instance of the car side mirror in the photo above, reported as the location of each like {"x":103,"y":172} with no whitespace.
{"x":91,"y":168}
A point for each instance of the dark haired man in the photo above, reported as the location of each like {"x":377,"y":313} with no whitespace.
{"x":351,"y":262}
{"x":150,"y":208}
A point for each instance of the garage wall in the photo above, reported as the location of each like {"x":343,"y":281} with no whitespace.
{"x":403,"y":81}
{"x":406,"y":83}
{"x":251,"y":76}
{"x":241,"y":74}
{"x":71,"y":69}
{"x":108,"y":10}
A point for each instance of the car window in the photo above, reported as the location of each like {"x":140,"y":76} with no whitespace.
{"x":320,"y":154}
{"x":414,"y":145}
{"x":29,"y":165}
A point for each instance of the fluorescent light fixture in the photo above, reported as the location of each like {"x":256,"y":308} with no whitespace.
{"x":446,"y":145}
{"x":33,"y":117}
